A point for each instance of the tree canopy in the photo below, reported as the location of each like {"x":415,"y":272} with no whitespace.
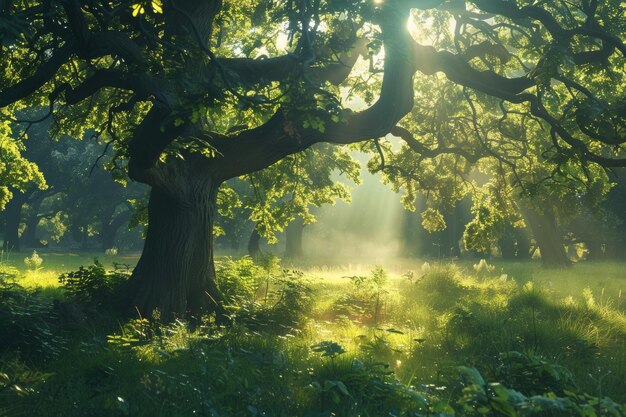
{"x":193,"y":93}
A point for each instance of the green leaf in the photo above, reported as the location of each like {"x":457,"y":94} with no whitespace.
{"x":471,"y":375}
{"x":138,"y":9}
{"x":157,"y":6}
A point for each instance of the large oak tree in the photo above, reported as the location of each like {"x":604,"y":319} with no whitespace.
{"x":193,"y":93}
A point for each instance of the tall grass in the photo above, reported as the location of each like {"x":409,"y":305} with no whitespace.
{"x":336,"y":341}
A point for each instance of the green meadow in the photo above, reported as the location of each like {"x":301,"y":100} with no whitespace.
{"x":403,"y":339}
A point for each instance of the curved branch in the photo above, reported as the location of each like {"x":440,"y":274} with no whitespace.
{"x":265,"y":70}
{"x":44,"y":73}
{"x":258,"y":148}
{"x":421,"y":149}
{"x":100,"y":79}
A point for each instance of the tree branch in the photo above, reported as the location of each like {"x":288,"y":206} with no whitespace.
{"x":44,"y":73}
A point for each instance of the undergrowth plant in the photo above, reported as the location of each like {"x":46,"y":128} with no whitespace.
{"x":93,"y":284}
{"x":33,"y":262}
{"x":240,"y":280}
{"x":368,"y":295}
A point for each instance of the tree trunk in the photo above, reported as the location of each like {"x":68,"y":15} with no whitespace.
{"x":412,"y":235}
{"x":254,"y":250}
{"x":507,"y":245}
{"x":293,"y":248}
{"x":13,"y":213}
{"x":594,"y":246}
{"x":29,"y":235}
{"x":514,"y":245}
{"x":84,"y":237}
{"x":176,"y":273}
{"x":522,"y":244}
{"x":544,"y":228}
{"x":110,"y":228}
{"x":455,"y":231}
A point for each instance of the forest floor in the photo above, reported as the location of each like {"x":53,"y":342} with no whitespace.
{"x":320,"y":339}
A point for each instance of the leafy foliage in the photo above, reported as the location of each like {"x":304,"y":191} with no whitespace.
{"x":33,"y":262}
{"x":16,"y":172}
{"x":239,"y":279}
{"x":92,"y":284}
{"x":367,"y":300}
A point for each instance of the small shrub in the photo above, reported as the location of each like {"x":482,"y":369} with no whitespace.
{"x":136,"y":332}
{"x":483,"y":268}
{"x":344,"y":386}
{"x":261,"y":296}
{"x":18,"y":379}
{"x":7,"y":273}
{"x":92,"y":284}
{"x":33,"y":262}
{"x":495,"y":399}
{"x":290,"y":299}
{"x":368,"y":296}
{"x":111,"y":251}
{"x":328,"y":348}
{"x":239,"y":280}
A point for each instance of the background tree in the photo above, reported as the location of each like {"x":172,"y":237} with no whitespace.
{"x":22,"y":181}
{"x":285,"y":192}
{"x":499,"y":154}
{"x":79,"y":197}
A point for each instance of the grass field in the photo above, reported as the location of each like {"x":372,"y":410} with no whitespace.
{"x":408,"y":338}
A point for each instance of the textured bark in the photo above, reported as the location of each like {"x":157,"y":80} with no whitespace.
{"x":176,"y":272}
{"x":293,"y":243}
{"x":544,"y":228}
{"x":514,"y":245}
{"x":29,"y":235}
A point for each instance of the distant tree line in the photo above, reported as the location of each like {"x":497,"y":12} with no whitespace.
{"x":78,"y":206}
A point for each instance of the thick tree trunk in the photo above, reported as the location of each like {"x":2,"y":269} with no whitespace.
{"x":254,"y":249}
{"x":13,"y":213}
{"x":176,"y":273}
{"x":544,"y":228}
{"x":293,"y":234}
